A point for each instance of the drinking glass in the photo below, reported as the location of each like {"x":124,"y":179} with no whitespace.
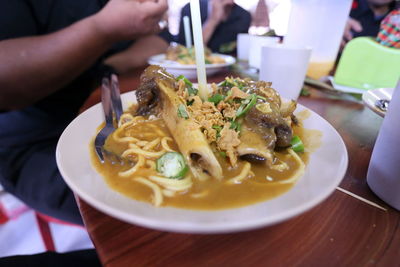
{"x":285,"y":66}
{"x":319,"y":24}
{"x":256,"y":42}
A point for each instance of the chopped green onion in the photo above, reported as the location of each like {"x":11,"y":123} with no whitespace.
{"x":222,"y":84}
{"x":189,"y":102}
{"x":229,"y":93}
{"x":246,"y":105}
{"x":217,"y":127}
{"x":172,"y":165}
{"x":216,"y":98}
{"x":192,"y":91}
{"x":235,"y":125}
{"x":223,"y":154}
{"x":297,"y":144}
{"x":226,"y":83}
{"x":182,"y":112}
{"x":187,"y":82}
{"x":229,"y":82}
{"x":207,"y":61}
{"x":189,"y":85}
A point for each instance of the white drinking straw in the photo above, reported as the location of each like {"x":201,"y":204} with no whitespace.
{"x":199,"y":48}
{"x":188,"y":34}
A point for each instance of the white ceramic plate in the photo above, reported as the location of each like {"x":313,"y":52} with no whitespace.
{"x":324,"y":172}
{"x":189,"y":71}
{"x":371,"y":96}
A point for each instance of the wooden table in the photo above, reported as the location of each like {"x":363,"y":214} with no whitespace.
{"x":341,"y":231}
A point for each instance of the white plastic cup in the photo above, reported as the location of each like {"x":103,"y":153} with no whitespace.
{"x":384,"y":168}
{"x":256,"y":42}
{"x":242,"y":47}
{"x":285,"y":66}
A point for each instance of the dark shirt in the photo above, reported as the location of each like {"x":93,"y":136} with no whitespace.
{"x":47,"y":117}
{"x":226,"y":32}
{"x":369,"y":22}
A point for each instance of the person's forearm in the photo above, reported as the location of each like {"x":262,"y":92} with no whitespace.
{"x":208,"y":30}
{"x":34,"y":67}
{"x":138,"y":54}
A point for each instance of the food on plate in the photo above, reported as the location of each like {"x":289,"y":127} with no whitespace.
{"x":240,"y":146}
{"x":186,"y":56}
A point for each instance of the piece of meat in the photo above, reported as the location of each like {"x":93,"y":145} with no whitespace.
{"x":148,"y":93}
{"x":254,"y":147}
{"x":261,"y":121}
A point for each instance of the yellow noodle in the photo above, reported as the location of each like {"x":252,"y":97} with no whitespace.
{"x":200,"y":195}
{"x":134,"y":169}
{"x":282,"y":166}
{"x":132,"y":145}
{"x":138,"y":119}
{"x":157,"y":130}
{"x":173,"y":184}
{"x":242,"y":175}
{"x":129,"y":124}
{"x":125,"y":118}
{"x":118,"y":131}
{"x":152,"y":144}
{"x":148,"y":135}
{"x":125,"y":139}
{"x":164,"y":143}
{"x":142,"y":143}
{"x":157,"y":196}
{"x":300,"y":170}
{"x":160,"y":132}
{"x":132,"y":122}
{"x":142,"y":152}
{"x":168,"y":193}
{"x":125,"y":125}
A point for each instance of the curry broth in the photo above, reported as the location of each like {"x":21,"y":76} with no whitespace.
{"x":219,"y":195}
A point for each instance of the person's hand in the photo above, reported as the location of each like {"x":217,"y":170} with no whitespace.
{"x":129,"y":19}
{"x":352,"y":25}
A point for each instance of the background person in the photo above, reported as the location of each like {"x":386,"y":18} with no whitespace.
{"x":51,"y":60}
{"x":366,"y":17}
{"x":222,"y":21}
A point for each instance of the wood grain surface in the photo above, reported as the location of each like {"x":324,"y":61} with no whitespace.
{"x":341,"y":231}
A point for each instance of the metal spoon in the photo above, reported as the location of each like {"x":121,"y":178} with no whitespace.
{"x":382,"y":104}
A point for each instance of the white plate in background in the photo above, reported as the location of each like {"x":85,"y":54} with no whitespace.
{"x":190,"y":71}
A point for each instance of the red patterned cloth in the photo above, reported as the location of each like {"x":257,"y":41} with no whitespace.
{"x":389,"y":33}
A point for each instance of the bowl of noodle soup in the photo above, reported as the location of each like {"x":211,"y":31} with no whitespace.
{"x":125,"y":193}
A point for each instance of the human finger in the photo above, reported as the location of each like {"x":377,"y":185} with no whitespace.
{"x":155,"y":8}
{"x":348,"y":35}
{"x":355,"y":25}
{"x":155,"y":25}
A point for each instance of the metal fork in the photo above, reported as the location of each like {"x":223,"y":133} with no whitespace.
{"x":112,"y":107}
